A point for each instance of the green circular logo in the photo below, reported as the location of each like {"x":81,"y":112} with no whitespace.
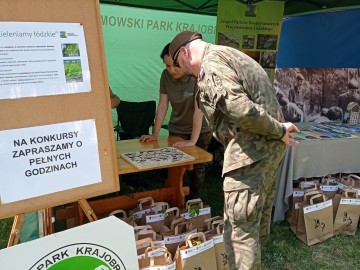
{"x":84,"y":256}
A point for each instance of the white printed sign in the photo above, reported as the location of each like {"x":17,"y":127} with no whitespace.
{"x":41,"y":160}
{"x":106,"y":244}
{"x":41,"y":59}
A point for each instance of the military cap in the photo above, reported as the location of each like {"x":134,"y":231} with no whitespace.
{"x":181,"y":40}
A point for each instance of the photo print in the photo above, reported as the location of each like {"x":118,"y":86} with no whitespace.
{"x":321,"y":95}
{"x":229,"y":39}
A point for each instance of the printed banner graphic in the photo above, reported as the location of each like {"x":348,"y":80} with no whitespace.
{"x":252,"y":28}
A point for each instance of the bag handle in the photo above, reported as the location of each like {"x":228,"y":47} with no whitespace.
{"x":350,"y":193}
{"x":309,"y":194}
{"x":122,"y":214}
{"x":175,"y":222}
{"x":327,"y":180}
{"x":306,"y":185}
{"x":162,"y":205}
{"x":187,"y":224}
{"x":209,"y":221}
{"x":148,"y":232}
{"x":142,"y":201}
{"x":174,"y":210}
{"x":167,"y":255}
{"x":194,"y":201}
{"x":220,"y":227}
{"x":313,"y":198}
{"x":354,"y":177}
{"x":348,"y":181}
{"x":217,"y":223}
{"x":142,"y":228}
{"x":199,"y":235}
{"x":144,"y":241}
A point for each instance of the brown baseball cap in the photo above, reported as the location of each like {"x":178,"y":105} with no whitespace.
{"x":181,"y":40}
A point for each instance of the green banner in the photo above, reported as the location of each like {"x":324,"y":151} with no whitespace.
{"x":134,"y":39}
{"x":252,"y":28}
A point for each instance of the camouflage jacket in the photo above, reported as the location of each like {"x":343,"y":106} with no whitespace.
{"x":240,"y":105}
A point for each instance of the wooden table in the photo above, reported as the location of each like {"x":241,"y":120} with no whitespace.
{"x":173,"y":191}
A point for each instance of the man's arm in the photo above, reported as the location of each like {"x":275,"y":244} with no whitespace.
{"x":114,"y":99}
{"x":196,"y":128}
{"x":159,"y":118}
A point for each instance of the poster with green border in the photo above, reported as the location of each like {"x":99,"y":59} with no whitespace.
{"x":251,"y":28}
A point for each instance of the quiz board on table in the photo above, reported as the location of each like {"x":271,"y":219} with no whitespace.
{"x":146,"y":159}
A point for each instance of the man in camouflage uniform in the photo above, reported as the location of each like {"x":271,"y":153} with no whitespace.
{"x":240,"y":105}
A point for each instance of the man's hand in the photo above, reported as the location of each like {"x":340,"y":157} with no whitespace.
{"x":288,"y":137}
{"x":148,"y":138}
{"x":184,"y":143}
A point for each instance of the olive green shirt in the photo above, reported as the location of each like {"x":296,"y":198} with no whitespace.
{"x":181,"y":95}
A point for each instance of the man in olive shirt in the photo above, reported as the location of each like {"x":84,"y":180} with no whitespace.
{"x":185,"y":121}
{"x":239,"y":103}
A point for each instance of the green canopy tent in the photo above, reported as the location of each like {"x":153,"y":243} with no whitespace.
{"x":119,"y":70}
{"x":209,"y":7}
{"x":137,"y":78}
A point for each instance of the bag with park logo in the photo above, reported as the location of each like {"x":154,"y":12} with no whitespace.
{"x":196,"y":213}
{"x":219,"y":245}
{"x":346,"y":212}
{"x":143,"y":207}
{"x":121,"y":214}
{"x":318,"y":219}
{"x":329,"y":186}
{"x":195,"y":252}
{"x":155,"y":218}
{"x":156,"y":258}
{"x":177,"y":234}
{"x":296,"y":219}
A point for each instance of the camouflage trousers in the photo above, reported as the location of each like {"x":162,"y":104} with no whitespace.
{"x":197,"y":175}
{"x":247,"y":211}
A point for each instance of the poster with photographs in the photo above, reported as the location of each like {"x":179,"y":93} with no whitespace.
{"x":253,"y":28}
{"x":318,"y":95}
{"x":156,"y":157}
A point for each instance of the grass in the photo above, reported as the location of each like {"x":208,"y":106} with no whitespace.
{"x":5,"y":228}
{"x":283,"y":250}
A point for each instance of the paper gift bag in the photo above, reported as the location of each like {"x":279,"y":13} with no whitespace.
{"x":156,"y":258}
{"x":294,"y":205}
{"x":299,"y":228}
{"x":345,"y":182}
{"x":220,"y":253}
{"x":156,"y":216}
{"x":356,"y":180}
{"x":143,"y":207}
{"x":294,"y":201}
{"x":146,"y":231}
{"x":143,"y":244}
{"x":122,"y":215}
{"x":170,"y":215}
{"x":196,"y":213}
{"x":196,"y":253}
{"x":318,"y":222}
{"x":347,"y":211}
{"x":210,"y":224}
{"x":329,"y":186}
{"x":173,"y":238}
